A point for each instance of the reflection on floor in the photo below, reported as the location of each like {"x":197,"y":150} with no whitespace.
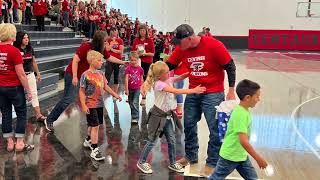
{"x":288,"y":139}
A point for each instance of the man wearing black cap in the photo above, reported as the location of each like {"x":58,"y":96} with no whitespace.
{"x":206,"y":59}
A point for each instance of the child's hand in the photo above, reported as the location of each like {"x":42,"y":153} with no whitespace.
{"x":85,"y":109}
{"x":143,"y":93}
{"x":199,"y":89}
{"x":107,"y":46}
{"x":119,"y":98}
{"x":262,"y":163}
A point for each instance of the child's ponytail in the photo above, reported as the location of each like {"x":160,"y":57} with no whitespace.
{"x":150,"y":79}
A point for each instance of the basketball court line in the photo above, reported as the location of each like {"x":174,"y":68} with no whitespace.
{"x":313,"y":150}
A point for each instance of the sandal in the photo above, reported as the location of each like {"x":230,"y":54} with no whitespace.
{"x":28,"y":147}
{"x":41,"y":118}
{"x":10,"y":145}
{"x":23,"y":147}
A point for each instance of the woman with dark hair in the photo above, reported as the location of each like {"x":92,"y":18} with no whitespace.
{"x":145,"y":48}
{"x":30,"y":67}
{"x":115,"y":48}
{"x":76,"y":67}
{"x":14,"y":88}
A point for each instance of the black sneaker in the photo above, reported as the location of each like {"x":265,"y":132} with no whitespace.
{"x":87,"y":144}
{"x":96,"y":155}
{"x":48,"y":125}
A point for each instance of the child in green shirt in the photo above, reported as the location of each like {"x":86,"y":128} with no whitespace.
{"x":235,"y":148}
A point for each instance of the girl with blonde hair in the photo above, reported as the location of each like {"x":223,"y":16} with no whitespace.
{"x":162,"y":120}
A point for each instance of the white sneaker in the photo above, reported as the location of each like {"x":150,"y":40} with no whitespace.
{"x":145,"y":168}
{"x":49,"y":126}
{"x":96,"y":155}
{"x":134,"y":121}
{"x":177,"y":167}
{"x":87,"y":144}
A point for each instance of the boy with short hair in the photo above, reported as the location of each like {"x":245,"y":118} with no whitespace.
{"x":92,"y":85}
{"x":235,"y":148}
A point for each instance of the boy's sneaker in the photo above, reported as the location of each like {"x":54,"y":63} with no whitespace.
{"x":134,"y":121}
{"x":96,"y":155}
{"x":49,"y":126}
{"x":145,"y":168}
{"x":177,"y":167}
{"x":87,"y":144}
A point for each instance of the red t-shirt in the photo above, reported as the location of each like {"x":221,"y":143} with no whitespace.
{"x":40,"y":9}
{"x":181,"y":69}
{"x":10,"y":56}
{"x":102,"y":27}
{"x":147,"y":45}
{"x":116,"y":46}
{"x":15,"y":4}
{"x":205,"y":63}
{"x":65,"y":5}
{"x":98,"y":15}
{"x":83,"y":65}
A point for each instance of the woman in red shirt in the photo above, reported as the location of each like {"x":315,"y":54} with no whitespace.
{"x":145,"y":48}
{"x":115,"y":48}
{"x":65,"y":13}
{"x":94,"y":19}
{"x":76,"y":67}
{"x":14,"y":88}
{"x":40,"y":9}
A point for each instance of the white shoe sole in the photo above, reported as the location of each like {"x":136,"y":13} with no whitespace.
{"x":176,"y":170}
{"x":86,"y":145}
{"x":46,"y":125}
{"x":146,"y":172}
{"x":98,"y":159}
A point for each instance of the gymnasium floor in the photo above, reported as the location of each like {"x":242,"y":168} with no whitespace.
{"x":286,"y":131}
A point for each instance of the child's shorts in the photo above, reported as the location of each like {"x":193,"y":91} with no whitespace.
{"x":95,"y":117}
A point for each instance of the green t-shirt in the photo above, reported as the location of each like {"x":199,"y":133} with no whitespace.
{"x":240,"y":122}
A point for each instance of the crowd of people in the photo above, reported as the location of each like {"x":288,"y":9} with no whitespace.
{"x":201,"y":58}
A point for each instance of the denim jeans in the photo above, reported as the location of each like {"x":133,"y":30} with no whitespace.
{"x":69,"y":96}
{"x":65,"y":19}
{"x":133,"y":99}
{"x":179,"y":97}
{"x":171,"y":140}
{"x":225,"y":167}
{"x":15,"y":15}
{"x":13,"y":95}
{"x":195,"y":105}
{"x":93,"y":29}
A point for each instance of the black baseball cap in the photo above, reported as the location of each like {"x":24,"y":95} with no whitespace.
{"x":182,"y":31}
